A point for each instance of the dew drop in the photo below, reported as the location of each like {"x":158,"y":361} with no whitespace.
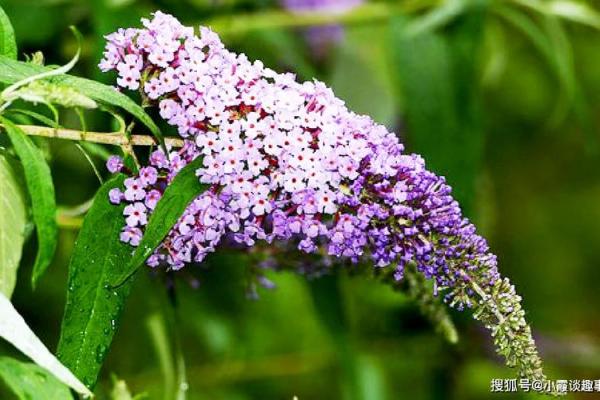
{"x":100,"y":353}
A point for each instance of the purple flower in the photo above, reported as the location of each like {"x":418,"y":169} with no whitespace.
{"x":114,"y":164}
{"x":134,"y":189}
{"x":148,"y":176}
{"x":131,"y":235}
{"x":116,"y":196}
{"x":136,"y":214}
{"x":152,"y":198}
{"x":158,"y":159}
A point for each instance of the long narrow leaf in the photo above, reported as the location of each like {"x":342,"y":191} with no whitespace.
{"x":184,"y":188}
{"x":576,"y":11}
{"x":8,"y":45}
{"x":35,"y":116}
{"x":436,"y":75}
{"x":12,"y":71}
{"x":41,"y":191}
{"x":15,"y":330}
{"x":27,"y":381}
{"x":438,"y":17}
{"x":13,"y":219}
{"x":552,"y":46}
{"x":93,"y":309}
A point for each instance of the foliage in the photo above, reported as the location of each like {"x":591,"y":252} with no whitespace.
{"x":14,"y":330}
{"x":27,"y":381}
{"x":485,"y":90}
{"x":41,"y":190}
{"x":93,"y":307}
{"x":13,"y":220}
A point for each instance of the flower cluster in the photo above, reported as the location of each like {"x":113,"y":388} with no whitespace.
{"x":285,"y":161}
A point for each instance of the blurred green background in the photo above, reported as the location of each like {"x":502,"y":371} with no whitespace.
{"x":500,"y":97}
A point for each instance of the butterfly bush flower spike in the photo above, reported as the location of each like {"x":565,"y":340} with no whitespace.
{"x":286,"y":161}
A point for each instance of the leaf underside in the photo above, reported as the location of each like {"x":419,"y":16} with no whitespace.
{"x":15,"y":330}
{"x":13,"y":218}
{"x":41,"y":191}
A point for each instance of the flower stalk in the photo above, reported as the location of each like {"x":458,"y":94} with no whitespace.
{"x":111,"y":138}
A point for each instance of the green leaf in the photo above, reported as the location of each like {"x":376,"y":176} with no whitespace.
{"x":41,"y":191}
{"x":439,"y":16}
{"x":328,"y":298}
{"x":437,"y":79}
{"x":12,"y":71}
{"x":13,"y":219}
{"x":93,"y":308}
{"x":555,"y":48}
{"x":8,"y":44}
{"x":184,"y":188}
{"x":360,"y":73}
{"x":15,"y":330}
{"x":579,"y":12}
{"x":575,"y":11}
{"x":51,"y":93}
{"x":551,"y":41}
{"x":45,"y":74}
{"x":28,"y":381}
{"x":35,"y":116}
{"x":279,"y":47}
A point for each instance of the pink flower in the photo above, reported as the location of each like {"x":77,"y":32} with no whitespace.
{"x":209,"y":143}
{"x":148,"y":176}
{"x":115,"y":195}
{"x":168,"y":108}
{"x":131,"y":235}
{"x":152,"y":199}
{"x":136,"y":214}
{"x":154,"y":88}
{"x":134,"y":190}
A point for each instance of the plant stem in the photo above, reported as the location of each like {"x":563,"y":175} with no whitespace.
{"x":112,"y":138}
{"x":68,"y":222}
{"x":488,"y":299}
{"x":65,"y":220}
